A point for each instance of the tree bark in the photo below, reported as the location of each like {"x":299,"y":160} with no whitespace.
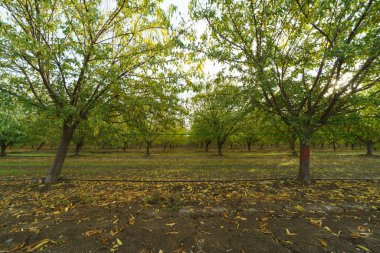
{"x":3,"y":150}
{"x":220,"y":145}
{"x":78,"y":148}
{"x":125,"y":146}
{"x":304,"y":166}
{"x":369,"y":148}
{"x":207,"y":144}
{"x":249,"y":145}
{"x":40,"y":146}
{"x":60,"y":155}
{"x":148,"y":146}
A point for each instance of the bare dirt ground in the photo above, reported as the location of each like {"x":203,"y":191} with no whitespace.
{"x":263,"y":216}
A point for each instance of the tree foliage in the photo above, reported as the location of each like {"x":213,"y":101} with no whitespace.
{"x":301,"y":60}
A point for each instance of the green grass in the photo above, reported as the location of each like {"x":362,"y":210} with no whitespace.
{"x":193,"y":164}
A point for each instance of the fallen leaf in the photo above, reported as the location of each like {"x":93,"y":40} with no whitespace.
{"x":363,"y":229}
{"x":131,"y":220}
{"x":360,"y":235}
{"x":323,"y":243}
{"x":172,"y":233}
{"x":92,"y":232}
{"x":16,"y":247}
{"x":35,"y":246}
{"x":119,"y":242}
{"x":240,"y":218}
{"x":34,"y":229}
{"x":315,"y":222}
{"x":170,"y":224}
{"x":363,"y":248}
{"x":299,"y":208}
{"x":289,"y":233}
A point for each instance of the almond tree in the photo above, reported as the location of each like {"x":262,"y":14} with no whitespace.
{"x":65,"y":56}
{"x":12,"y":124}
{"x":302,"y":60}
{"x":220,"y":112}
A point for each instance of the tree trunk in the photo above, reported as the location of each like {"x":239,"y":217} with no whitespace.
{"x":369,"y":148}
{"x":165,"y":146}
{"x":3,"y":150}
{"x":220,"y":145}
{"x":304,"y":166}
{"x":78,"y":148}
{"x":125,"y":146}
{"x":249,"y":144}
{"x":231,"y":145}
{"x":148,"y":146}
{"x":352,"y":146}
{"x":40,"y":146}
{"x":334,"y":145}
{"x":207,"y":144}
{"x":60,"y":155}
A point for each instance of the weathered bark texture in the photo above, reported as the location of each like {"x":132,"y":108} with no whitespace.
{"x":304,"y":166}
{"x":56,"y":167}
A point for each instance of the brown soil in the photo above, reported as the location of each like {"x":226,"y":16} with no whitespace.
{"x":280,"y":216}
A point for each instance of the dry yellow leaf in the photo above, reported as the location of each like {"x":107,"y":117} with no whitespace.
{"x":35,"y":246}
{"x":131,"y":220}
{"x":315,"y":222}
{"x":172,"y":233}
{"x":363,"y":229}
{"x":119,"y":242}
{"x":92,"y":232}
{"x":323,"y":243}
{"x":289,"y":233}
